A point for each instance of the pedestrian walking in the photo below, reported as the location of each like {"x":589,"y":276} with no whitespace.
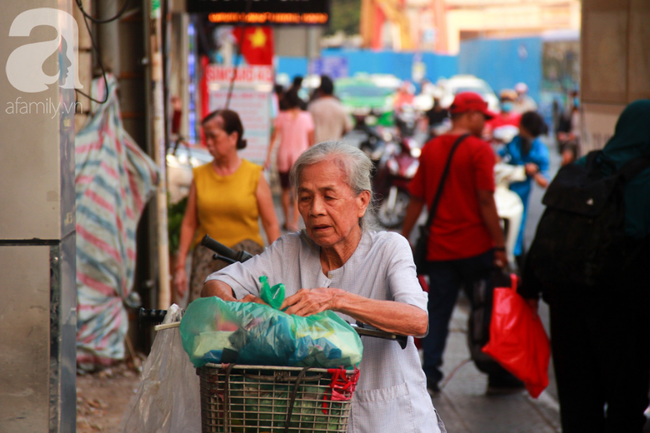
{"x":331,"y":122}
{"x":296,"y":85}
{"x":296,"y":131}
{"x":277,"y":100}
{"x":598,"y":209}
{"x":437,"y":114}
{"x":466,"y":239}
{"x":528,"y":150}
{"x":524,"y":101}
{"x":226,"y":199}
{"x":568,"y":130}
{"x":507,"y":117}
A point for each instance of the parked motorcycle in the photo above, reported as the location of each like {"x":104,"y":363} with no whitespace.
{"x":509,"y":206}
{"x":372,"y":141}
{"x":503,"y":135}
{"x":406,"y":120}
{"x":394,"y":174}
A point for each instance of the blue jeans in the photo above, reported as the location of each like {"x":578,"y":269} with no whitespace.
{"x":445,"y":280}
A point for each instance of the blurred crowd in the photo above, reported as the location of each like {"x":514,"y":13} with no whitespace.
{"x":464,"y":141}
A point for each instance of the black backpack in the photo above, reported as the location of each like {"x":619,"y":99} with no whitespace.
{"x":581,"y":235}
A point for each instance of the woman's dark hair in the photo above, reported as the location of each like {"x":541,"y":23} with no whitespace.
{"x":532,"y":122}
{"x":292,"y":99}
{"x":231,"y":123}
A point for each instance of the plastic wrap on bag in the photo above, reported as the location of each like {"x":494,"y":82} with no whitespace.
{"x":167,"y":400}
{"x":217,"y":331}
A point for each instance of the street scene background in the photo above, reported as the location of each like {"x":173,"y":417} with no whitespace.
{"x":111,"y":146}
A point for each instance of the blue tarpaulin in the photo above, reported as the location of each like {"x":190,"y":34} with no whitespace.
{"x":399,"y":64}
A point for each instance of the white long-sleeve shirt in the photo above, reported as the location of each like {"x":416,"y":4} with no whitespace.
{"x":391,"y":395}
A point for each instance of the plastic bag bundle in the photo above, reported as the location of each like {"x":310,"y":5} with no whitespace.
{"x":517,"y":339}
{"x":167,"y":400}
{"x":217,"y":331}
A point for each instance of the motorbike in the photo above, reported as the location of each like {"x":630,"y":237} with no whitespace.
{"x":406,"y":120}
{"x":509,"y":206}
{"x":503,"y":135}
{"x":394,"y":174}
{"x":372,"y":141}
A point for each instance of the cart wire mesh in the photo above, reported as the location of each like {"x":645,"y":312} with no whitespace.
{"x":267,"y":399}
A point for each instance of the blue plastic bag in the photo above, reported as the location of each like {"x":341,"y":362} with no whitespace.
{"x":217,"y":331}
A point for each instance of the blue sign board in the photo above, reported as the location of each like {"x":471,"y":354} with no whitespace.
{"x":334,"y":67}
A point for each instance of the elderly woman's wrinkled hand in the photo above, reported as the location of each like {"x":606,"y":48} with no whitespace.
{"x":310,"y":301}
{"x":252,"y":298}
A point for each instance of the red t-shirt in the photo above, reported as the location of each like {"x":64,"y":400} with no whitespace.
{"x":458,"y":231}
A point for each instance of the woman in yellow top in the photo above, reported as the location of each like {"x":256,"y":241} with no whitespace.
{"x":226,"y":198}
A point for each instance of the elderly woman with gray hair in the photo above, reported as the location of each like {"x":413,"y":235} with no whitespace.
{"x":336,"y":263}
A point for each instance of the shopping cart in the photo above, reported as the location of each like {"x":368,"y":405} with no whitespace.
{"x":253,"y":398}
{"x":272,"y":399}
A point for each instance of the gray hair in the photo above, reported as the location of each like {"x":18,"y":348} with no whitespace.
{"x":355,"y":164}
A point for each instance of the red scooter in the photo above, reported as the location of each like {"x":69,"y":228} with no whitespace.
{"x":394,"y":173}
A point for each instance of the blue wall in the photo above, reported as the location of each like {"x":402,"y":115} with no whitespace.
{"x":504,"y":62}
{"x":377,"y":62}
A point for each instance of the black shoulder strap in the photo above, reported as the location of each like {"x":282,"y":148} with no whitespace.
{"x":634,"y":167}
{"x":627,"y":171}
{"x":443,"y":178}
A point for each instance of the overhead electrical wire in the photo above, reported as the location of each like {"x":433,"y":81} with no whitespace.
{"x":101,"y":65}
{"x":106,"y":21}
{"x":87,"y":17}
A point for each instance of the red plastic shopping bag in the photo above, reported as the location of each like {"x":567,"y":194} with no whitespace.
{"x":517,"y":339}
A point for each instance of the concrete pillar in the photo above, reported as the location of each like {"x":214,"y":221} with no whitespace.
{"x":37,"y":218}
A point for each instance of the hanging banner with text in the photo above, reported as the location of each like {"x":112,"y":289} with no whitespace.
{"x":296,"y":12}
{"x":251,"y":99}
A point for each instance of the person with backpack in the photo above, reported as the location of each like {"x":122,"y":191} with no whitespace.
{"x":589,"y":261}
{"x":528,"y":150}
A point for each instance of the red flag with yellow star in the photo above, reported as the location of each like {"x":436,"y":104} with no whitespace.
{"x":257,"y":45}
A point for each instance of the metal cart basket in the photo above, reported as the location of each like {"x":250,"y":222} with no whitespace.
{"x":267,"y":399}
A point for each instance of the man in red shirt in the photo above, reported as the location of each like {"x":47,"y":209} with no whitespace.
{"x":466,"y":239}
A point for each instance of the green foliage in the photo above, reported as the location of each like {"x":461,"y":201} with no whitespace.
{"x":345,"y":15}
{"x":175,"y":214}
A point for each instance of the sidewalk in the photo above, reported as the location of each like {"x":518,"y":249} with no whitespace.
{"x":464,"y":407}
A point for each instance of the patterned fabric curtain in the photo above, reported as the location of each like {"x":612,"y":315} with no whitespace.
{"x":114,"y":180}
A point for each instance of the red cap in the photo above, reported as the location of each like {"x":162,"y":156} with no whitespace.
{"x":470,"y":101}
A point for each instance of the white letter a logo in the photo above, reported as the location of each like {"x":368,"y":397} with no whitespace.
{"x":25,"y":63}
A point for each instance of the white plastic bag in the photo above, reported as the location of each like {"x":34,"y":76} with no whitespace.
{"x":167,"y":400}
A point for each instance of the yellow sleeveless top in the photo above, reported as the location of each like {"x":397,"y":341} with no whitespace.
{"x":227,"y":206}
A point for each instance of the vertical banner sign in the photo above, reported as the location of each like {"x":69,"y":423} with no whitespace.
{"x":251,"y":99}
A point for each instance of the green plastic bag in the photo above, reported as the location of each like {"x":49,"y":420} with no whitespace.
{"x":274,"y":296}
{"x":216,"y":331}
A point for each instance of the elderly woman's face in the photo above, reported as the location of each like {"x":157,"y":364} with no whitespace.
{"x":328,"y":206}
